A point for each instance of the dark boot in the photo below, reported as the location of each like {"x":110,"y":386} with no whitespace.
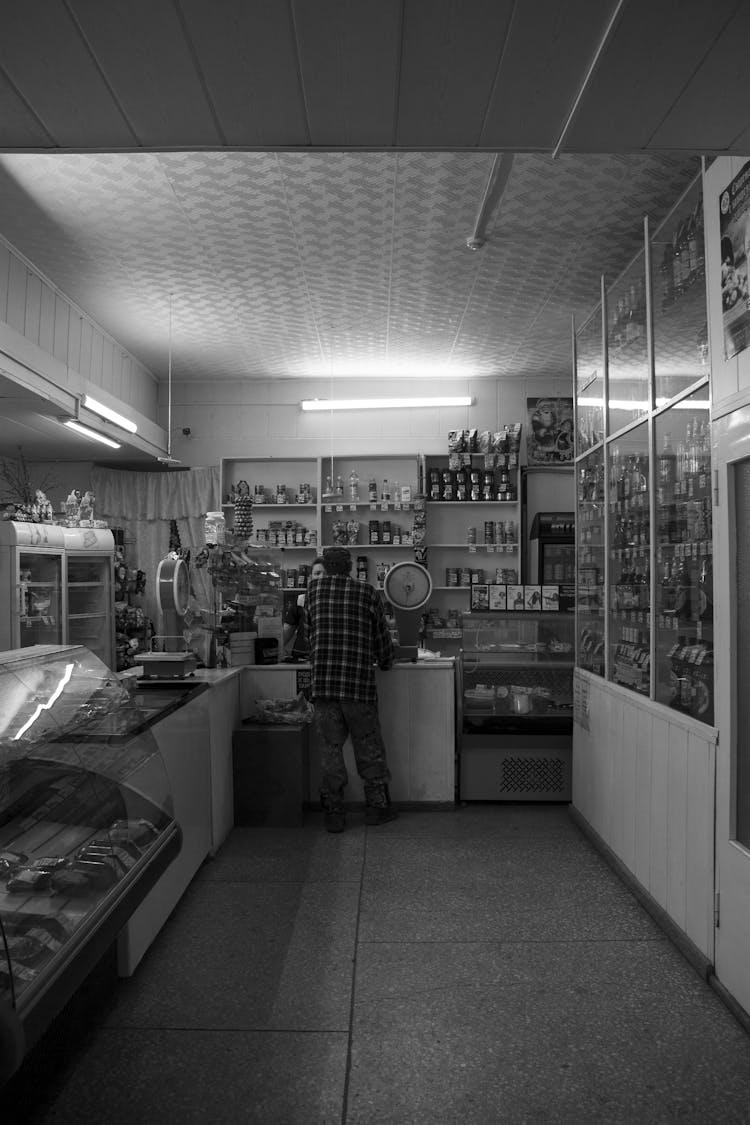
{"x":333,"y":809}
{"x":379,"y":809}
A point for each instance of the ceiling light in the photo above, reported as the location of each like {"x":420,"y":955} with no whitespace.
{"x":91,"y":434}
{"x":493,"y":193}
{"x":384,"y":403}
{"x":111,"y":415}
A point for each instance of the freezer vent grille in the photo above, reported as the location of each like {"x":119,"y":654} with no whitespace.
{"x":532,"y":775}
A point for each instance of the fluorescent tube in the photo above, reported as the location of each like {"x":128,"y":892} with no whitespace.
{"x":384,"y":403}
{"x":111,"y":415}
{"x":92,"y":434}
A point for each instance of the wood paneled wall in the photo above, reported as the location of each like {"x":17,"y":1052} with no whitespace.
{"x":33,"y":307}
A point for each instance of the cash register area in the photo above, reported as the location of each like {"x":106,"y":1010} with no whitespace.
{"x":478,"y":965}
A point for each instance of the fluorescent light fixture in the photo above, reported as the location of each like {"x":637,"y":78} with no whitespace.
{"x":120,"y":420}
{"x":384,"y":403}
{"x":91,"y":434}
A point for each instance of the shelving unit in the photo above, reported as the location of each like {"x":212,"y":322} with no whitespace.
{"x":644,"y":616}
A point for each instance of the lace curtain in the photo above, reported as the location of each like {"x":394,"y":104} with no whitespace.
{"x":143,"y":504}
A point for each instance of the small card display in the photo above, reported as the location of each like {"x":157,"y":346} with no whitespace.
{"x":532,"y":597}
{"x":515,"y":597}
{"x":480,"y":596}
{"x":498,"y":597}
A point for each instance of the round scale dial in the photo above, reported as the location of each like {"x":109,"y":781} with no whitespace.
{"x":408,"y":585}
{"x":173,"y":586}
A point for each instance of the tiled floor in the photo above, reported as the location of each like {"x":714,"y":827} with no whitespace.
{"x":476,"y":966}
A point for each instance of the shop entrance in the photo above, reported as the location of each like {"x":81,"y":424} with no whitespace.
{"x":732,"y":586}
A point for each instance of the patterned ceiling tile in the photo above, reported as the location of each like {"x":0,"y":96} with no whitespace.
{"x":283,"y":264}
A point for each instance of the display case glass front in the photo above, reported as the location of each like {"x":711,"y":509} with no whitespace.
{"x":589,"y":383}
{"x":517,"y":671}
{"x":590,"y":551}
{"x":679,"y":299}
{"x":684,"y":577}
{"x":85,"y":819}
{"x":627,"y":350}
{"x":629,"y":560}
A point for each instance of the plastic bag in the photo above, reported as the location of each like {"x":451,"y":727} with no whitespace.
{"x":284,"y":711}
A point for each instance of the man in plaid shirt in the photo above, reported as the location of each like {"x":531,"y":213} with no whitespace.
{"x":348,"y":635}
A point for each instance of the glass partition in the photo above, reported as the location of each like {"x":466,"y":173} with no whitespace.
{"x":678,"y":279}
{"x":629,"y":554}
{"x":590,"y":382}
{"x":590,"y":569}
{"x":683,"y":558}
{"x":627,"y":349}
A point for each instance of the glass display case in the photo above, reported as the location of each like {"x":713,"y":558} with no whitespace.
{"x":589,"y":382}
{"x":645,"y":620}
{"x":516,"y":718}
{"x":684,"y":559}
{"x":57,"y":587}
{"x":678,"y":279}
{"x":627,"y":350}
{"x":590,"y":569}
{"x":86,"y":829}
{"x":629,"y":560}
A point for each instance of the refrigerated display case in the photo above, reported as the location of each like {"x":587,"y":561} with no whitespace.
{"x":552,"y":548}
{"x":86,"y":829}
{"x":516,"y":719}
{"x":57,"y":587}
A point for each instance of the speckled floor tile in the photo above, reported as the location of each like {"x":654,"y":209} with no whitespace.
{"x":566,"y":1033}
{"x":296,"y":855}
{"x":200,"y":1077}
{"x":245,"y":955}
{"x":478,"y":819}
{"x":493,"y":889}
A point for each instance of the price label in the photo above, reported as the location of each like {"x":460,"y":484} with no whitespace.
{"x":339,"y":507}
{"x":328,"y":508}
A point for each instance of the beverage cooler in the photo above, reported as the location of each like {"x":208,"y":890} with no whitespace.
{"x":552,"y":548}
{"x":57,"y":587}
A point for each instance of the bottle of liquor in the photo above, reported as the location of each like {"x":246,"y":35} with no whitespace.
{"x":683,"y":587}
{"x":706,"y":591}
{"x":666,"y":466}
{"x":667,"y":590}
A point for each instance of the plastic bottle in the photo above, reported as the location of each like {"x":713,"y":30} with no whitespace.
{"x":386,"y":493}
{"x":353,"y":486}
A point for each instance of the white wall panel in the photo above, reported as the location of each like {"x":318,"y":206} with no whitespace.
{"x":32,"y":307}
{"x":643,"y":778}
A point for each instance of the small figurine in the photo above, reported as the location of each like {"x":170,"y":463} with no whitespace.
{"x":42,"y":508}
{"x":86,"y":510}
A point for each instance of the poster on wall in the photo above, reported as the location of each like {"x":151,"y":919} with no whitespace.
{"x":734,"y":227}
{"x":549,"y":438}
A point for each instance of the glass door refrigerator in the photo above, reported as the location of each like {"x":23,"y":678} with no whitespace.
{"x":552,"y":548}
{"x":57,"y":587}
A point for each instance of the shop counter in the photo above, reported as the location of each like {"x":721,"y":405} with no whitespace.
{"x":417,"y":716}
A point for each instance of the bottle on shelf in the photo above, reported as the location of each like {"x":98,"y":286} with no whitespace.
{"x":372,"y":490}
{"x":339,"y":485}
{"x":353,"y":486}
{"x":385,"y":493}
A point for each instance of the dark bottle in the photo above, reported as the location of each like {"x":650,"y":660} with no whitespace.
{"x":683,"y":587}
{"x":666,"y":465}
{"x":667,"y":590}
{"x":706,"y":591}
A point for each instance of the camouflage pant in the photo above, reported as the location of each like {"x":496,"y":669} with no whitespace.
{"x":334,"y":720}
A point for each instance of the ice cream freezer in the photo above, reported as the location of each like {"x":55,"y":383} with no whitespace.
{"x":516,"y":700}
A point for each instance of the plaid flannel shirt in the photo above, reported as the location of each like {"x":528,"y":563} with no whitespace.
{"x":348,"y":635}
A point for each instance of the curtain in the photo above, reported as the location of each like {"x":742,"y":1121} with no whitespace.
{"x":143,"y":505}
